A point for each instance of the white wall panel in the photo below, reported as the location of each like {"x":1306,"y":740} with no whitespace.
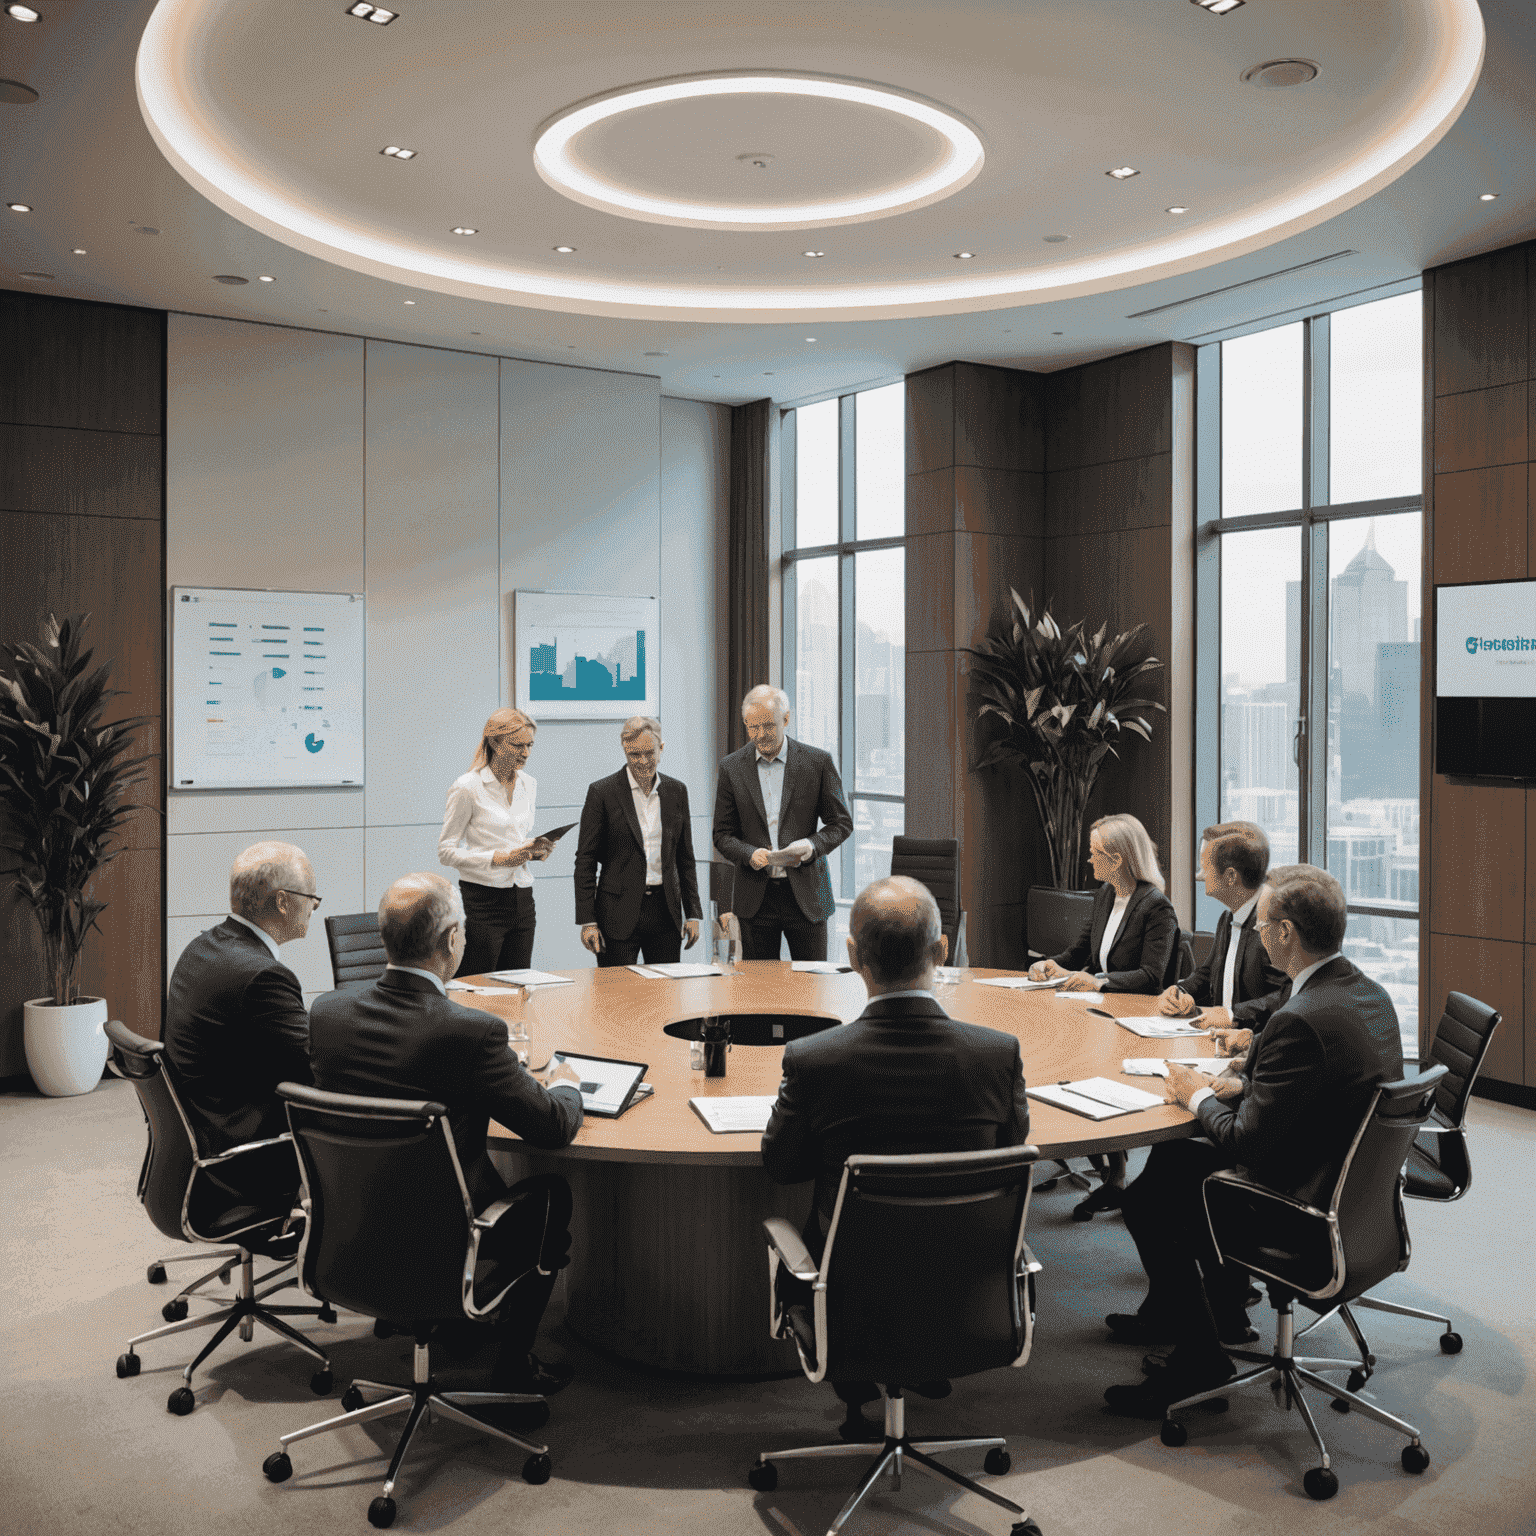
{"x":198,"y":875}
{"x":395,"y":851}
{"x":433,"y":665}
{"x":254,"y":810}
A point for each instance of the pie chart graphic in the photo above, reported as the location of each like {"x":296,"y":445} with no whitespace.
{"x":312,"y":743}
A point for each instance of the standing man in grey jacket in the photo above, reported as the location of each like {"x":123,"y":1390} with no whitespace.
{"x":779,"y":811}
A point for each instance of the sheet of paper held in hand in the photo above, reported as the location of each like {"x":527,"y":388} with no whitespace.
{"x":782,"y":858}
{"x":530,"y":978}
{"x":1097,"y":1098}
{"x":1157,"y":1066}
{"x":739,"y":1112}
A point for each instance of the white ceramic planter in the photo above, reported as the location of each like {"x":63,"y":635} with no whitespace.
{"x":66,"y":1047}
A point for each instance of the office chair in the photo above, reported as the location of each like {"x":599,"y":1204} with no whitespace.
{"x":1201,"y":943}
{"x":1053,"y":919}
{"x":357,"y":951}
{"x":925,"y":1274}
{"x":390,"y":1232}
{"x":935,"y":861}
{"x":1439,"y":1165}
{"x":183,"y":1203}
{"x":1315,"y":1256}
{"x":1182,"y":961}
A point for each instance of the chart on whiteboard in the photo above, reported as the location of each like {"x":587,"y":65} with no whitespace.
{"x":267,"y":688}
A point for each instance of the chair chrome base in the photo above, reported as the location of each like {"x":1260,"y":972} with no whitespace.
{"x":246,"y":1309}
{"x":417,"y":1399}
{"x":1285,"y":1374}
{"x":899,"y":1452}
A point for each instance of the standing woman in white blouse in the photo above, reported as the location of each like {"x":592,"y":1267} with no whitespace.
{"x":488,"y":837}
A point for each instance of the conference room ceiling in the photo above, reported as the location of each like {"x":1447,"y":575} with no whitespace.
{"x":200,"y":140}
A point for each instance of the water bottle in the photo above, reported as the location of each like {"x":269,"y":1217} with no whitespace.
{"x":696,"y":1055}
{"x":517,"y":1026}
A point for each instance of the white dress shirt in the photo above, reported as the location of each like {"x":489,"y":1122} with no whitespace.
{"x":648,"y":809}
{"x":1111,"y":928}
{"x":479,"y":822}
{"x":770,"y":778}
{"x":1234,"y":942}
{"x":261,"y":933}
{"x":415,"y":970}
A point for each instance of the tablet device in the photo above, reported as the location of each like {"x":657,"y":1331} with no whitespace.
{"x":607,"y":1087}
{"x":555,"y":833}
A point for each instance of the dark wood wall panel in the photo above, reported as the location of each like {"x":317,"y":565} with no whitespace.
{"x":1119,"y":408}
{"x":1480,"y":889}
{"x":1494,"y":973}
{"x":998,"y":418}
{"x":1485,"y":427}
{"x":1100,"y":498}
{"x":1481,"y":334}
{"x":81,"y":530}
{"x":1481,"y":524}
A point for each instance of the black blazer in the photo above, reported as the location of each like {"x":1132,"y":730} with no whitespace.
{"x":1310,"y":1076}
{"x":402,"y":1039}
{"x":611,"y":837}
{"x":235,"y":1027}
{"x":813,"y":792}
{"x":1256,"y":984}
{"x":1146,"y":948}
{"x":902,"y":1077}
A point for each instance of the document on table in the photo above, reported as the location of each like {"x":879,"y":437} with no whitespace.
{"x":464,"y":986}
{"x":675,"y":971}
{"x":1017,"y":983}
{"x":1151,"y":1027}
{"x":1157,"y":1066}
{"x":530,"y":978}
{"x":740,"y":1112}
{"x":820,"y":967}
{"x":946,"y":975}
{"x":1097,"y":1098}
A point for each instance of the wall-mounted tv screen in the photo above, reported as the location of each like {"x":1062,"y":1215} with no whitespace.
{"x":1485,"y":680}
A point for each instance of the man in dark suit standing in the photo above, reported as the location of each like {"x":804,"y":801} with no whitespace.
{"x":235,"y":1025}
{"x":1288,"y":1123}
{"x":779,"y":811}
{"x":635,"y":827}
{"x":1236,"y":985}
{"x":902,"y":1077}
{"x":405,"y":1038}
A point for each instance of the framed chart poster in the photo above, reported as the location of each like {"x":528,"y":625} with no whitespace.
{"x":585,"y":655}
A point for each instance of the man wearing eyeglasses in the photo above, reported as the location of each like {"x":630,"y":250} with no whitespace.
{"x":235,"y":1024}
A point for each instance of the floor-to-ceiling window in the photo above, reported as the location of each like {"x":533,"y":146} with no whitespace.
{"x":1309,"y":593}
{"x":844,"y":478}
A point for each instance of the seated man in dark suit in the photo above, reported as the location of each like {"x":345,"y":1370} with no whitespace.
{"x":235,"y":1025}
{"x":635,"y":827}
{"x":405,"y":1038}
{"x":902,"y":1077}
{"x":1236,"y":986}
{"x":1288,"y":1124}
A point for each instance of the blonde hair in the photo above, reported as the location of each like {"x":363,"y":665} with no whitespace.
{"x":1125,"y":835}
{"x":502,"y":723}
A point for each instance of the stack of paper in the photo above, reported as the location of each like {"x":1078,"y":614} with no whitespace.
{"x":1017,"y":983}
{"x":819,"y":967}
{"x":743,"y":1112}
{"x":530,"y":978}
{"x":1154,"y":1028}
{"x":464,"y":986}
{"x":1097,"y":1098}
{"x":1157,"y":1066}
{"x":675,"y":971}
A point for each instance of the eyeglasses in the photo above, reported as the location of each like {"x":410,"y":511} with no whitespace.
{"x":310,"y":894}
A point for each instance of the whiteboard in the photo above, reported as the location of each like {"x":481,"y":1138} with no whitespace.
{"x":266,"y":688}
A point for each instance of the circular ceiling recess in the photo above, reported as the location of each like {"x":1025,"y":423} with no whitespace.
{"x":843,"y":151}
{"x":655,"y":163}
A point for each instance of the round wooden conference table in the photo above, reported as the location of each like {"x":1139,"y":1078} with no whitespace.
{"x":668,"y":1264}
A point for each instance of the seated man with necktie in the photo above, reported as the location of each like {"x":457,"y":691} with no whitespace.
{"x":1236,"y":986}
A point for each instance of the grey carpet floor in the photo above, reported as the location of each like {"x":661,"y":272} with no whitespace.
{"x":81,"y":1452}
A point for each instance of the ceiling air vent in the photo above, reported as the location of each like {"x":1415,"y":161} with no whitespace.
{"x":1277,"y":74}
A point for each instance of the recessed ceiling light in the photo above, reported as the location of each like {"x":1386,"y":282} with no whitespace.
{"x":231,"y":279}
{"x":1055,"y":239}
{"x":410,"y":301}
{"x":395,"y":152}
{"x":1176,"y":209}
{"x":19,"y":207}
{"x":1486,"y":197}
{"x":23,"y":13}
{"x":566,"y":250}
{"x":965,"y":255}
{"x":463,"y":229}
{"x":365,"y":11}
{"x":1056,"y":333}
{"x":474,"y":333}
{"x":265,"y":279}
{"x":79,"y":250}
{"x":768,"y":375}
{"x":1123,"y":172}
{"x":810,"y":338}
{"x":38,"y":277}
{"x":813,"y":253}
{"x":1218,"y":7}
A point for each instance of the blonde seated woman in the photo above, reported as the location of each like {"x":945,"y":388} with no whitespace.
{"x":1129,"y":944}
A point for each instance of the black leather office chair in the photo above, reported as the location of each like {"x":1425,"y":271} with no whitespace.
{"x":925,"y":1274}
{"x":390,"y":1232}
{"x":1439,"y":1164}
{"x":1323,"y":1258}
{"x":183,"y":1203}
{"x":1053,"y":919}
{"x":1201,"y":944}
{"x":936,"y":862}
{"x":1182,"y":961}
{"x":357,"y":951}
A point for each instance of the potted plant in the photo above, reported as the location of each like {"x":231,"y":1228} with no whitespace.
{"x":64,"y":783}
{"x":1064,"y":699}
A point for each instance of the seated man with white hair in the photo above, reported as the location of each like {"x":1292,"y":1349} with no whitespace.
{"x":235,"y":1025}
{"x":405,"y":1038}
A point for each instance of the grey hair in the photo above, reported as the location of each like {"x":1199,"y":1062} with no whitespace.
{"x":637,"y":726}
{"x":766,"y":693}
{"x":416,"y":911}
{"x":259,"y":873}
{"x":896,"y":928}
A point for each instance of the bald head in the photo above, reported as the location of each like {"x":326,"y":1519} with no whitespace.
{"x":416,"y":917}
{"x":895,"y":937}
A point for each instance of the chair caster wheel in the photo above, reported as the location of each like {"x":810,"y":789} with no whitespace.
{"x":351,"y":1400}
{"x":1450,"y":1343}
{"x":326,"y":1314}
{"x":1173,"y":1433}
{"x":1357,"y":1379}
{"x":155,"y":1274}
{"x":1320,"y":1483}
{"x":223,"y":1277}
{"x":1082,"y":1212}
{"x":1024,"y":1528}
{"x":536,"y":1469}
{"x":322,"y":1382}
{"x":174,"y":1311}
{"x":127,"y":1365}
{"x":277,"y":1468}
{"x":1338,"y":1405}
{"x":181,"y":1402}
{"x":997,"y":1463}
{"x":381,"y":1513}
{"x":383,"y":1330}
{"x":764,"y":1477}
{"x":1046,"y":1185}
{"x":1415,"y":1458}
